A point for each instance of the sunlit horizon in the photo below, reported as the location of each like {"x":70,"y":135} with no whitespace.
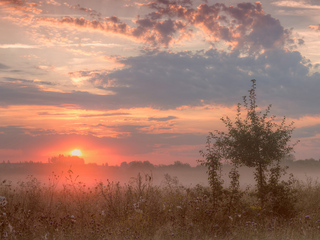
{"x":76,"y":152}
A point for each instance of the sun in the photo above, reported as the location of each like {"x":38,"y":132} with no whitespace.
{"x":76,"y":152}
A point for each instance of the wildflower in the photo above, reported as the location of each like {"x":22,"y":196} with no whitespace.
{"x":136,"y":205}
{"x":255,"y":208}
{"x":73,"y":219}
{"x":3,"y":201}
{"x":179,"y":207}
{"x":138,"y":210}
{"x":103,"y":213}
{"x":46,"y":236}
{"x":10,"y":227}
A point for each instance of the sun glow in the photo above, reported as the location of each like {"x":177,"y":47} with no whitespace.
{"x":76,"y":152}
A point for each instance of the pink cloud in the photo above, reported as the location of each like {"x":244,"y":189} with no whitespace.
{"x":92,"y":13}
{"x":12,"y":2}
{"x":21,"y":7}
{"x":315,"y":27}
{"x":147,"y":30}
{"x":243,"y":28}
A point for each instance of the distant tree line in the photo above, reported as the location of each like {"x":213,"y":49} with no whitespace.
{"x":66,"y":160}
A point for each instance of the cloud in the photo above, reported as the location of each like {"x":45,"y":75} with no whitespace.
{"x":307,"y":132}
{"x":18,"y":45}
{"x":25,"y":81}
{"x":103,"y":115}
{"x":92,"y":13}
{"x":13,"y":2}
{"x":315,"y":27}
{"x":24,"y":93}
{"x":134,"y":144}
{"x":245,"y":43}
{"x":162,"y":119}
{"x":53,"y":2}
{"x":82,"y":23}
{"x":245,"y":27}
{"x":147,"y":31}
{"x":171,"y":80}
{"x":22,"y":8}
{"x":2,"y":66}
{"x":155,"y":32}
{"x":51,"y":114}
{"x":297,"y":4}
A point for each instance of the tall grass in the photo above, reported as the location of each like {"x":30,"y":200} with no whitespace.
{"x":141,"y":210}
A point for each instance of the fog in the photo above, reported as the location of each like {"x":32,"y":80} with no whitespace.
{"x":178,"y":173}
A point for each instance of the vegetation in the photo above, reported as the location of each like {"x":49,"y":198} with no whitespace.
{"x":140,"y":210}
{"x":66,"y":160}
{"x":258,"y":142}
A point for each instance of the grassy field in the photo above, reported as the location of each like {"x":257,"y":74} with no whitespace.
{"x":68,"y":209}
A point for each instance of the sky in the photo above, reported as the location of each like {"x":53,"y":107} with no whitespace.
{"x":125,"y":80}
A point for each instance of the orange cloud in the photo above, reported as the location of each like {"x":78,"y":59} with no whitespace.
{"x":53,"y":2}
{"x":315,"y":27}
{"x":21,"y":8}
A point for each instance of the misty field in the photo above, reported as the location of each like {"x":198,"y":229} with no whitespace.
{"x":31,"y":209}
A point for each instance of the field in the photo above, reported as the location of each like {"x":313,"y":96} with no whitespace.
{"x":69,"y":209}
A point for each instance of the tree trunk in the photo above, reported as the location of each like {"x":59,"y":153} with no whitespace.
{"x":261,"y":184}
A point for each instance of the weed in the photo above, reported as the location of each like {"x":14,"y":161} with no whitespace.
{"x":141,"y":210}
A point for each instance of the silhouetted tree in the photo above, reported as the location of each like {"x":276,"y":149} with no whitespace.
{"x":256,"y":141}
{"x":61,"y":159}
